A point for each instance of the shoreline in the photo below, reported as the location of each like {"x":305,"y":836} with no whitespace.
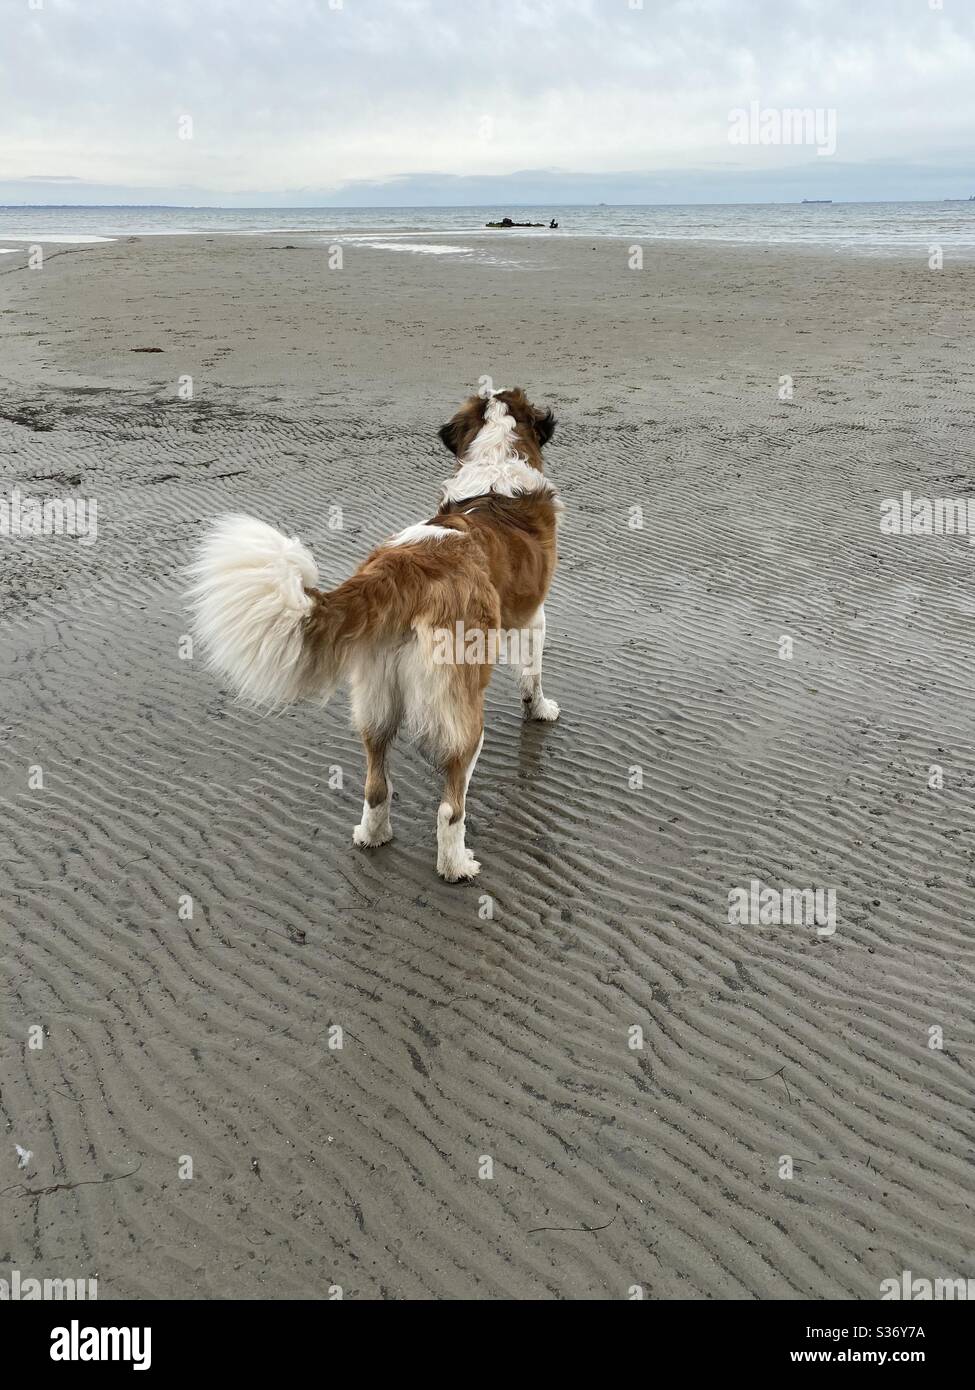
{"x":906,"y":251}
{"x":873,"y":228}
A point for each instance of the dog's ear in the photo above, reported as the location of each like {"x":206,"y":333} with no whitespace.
{"x":544,"y":426}
{"x":461,"y":428}
{"x":450,"y":435}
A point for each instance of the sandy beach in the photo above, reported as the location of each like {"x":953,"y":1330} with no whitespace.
{"x":185,"y":919}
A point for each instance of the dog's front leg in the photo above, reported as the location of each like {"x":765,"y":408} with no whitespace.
{"x":530,"y":682}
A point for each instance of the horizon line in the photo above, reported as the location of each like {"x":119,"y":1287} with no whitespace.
{"x":460,"y":207}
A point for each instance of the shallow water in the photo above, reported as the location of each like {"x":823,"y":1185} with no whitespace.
{"x":868,"y":227}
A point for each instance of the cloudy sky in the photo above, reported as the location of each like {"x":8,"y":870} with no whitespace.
{"x":306,"y":102}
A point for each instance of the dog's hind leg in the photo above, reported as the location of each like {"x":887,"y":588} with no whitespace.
{"x":375,"y":828}
{"x":454,"y":860}
{"x":530,"y":682}
{"x":376,"y":713}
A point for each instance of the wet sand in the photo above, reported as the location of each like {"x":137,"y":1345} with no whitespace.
{"x":495,"y":1020}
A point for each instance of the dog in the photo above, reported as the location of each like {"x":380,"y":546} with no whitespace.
{"x":391,"y":632}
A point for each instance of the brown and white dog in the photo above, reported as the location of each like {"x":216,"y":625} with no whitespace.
{"x":482,"y":564}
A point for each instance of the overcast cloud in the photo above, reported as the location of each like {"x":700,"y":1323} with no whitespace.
{"x":401,"y":101}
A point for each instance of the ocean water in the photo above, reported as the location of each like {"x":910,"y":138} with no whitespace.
{"x":866,"y":228}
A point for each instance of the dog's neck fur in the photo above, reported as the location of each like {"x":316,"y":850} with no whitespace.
{"x":493,"y":462}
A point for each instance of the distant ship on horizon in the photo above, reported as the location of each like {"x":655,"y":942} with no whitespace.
{"x":817,"y":200}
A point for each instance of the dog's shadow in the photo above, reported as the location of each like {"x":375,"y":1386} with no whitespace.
{"x":532,"y":738}
{"x":526,"y":762}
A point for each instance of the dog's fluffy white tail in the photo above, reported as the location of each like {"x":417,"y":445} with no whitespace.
{"x":251,"y":609}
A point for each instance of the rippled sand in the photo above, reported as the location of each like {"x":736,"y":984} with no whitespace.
{"x":493,"y":1021}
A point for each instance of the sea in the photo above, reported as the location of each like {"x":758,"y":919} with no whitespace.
{"x":857,"y":228}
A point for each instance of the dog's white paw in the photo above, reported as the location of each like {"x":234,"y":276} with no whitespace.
{"x":546,"y":710}
{"x":374,"y":828}
{"x":454,"y":860}
{"x":458,"y":868}
{"x":362,"y":836}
